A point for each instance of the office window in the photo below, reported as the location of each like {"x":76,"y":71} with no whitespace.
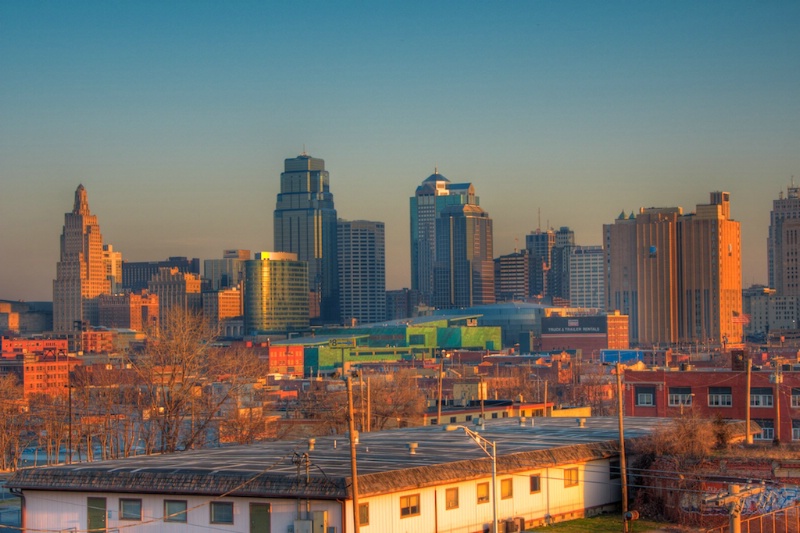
{"x":795,"y":429}
{"x":222,"y":512}
{"x":506,"y":488}
{"x":720,"y":397}
{"x":645,"y":396}
{"x":680,"y":396}
{"x":536,"y":483}
{"x":451,"y":498}
{"x":483,"y":492}
{"x":614,"y":470}
{"x":409,"y":505}
{"x":570,"y":477}
{"x":761,"y":397}
{"x":452,"y":420}
{"x":363,"y":514}
{"x":767,"y":426}
{"x":130,"y":509}
{"x":795,"y":397}
{"x":175,"y":511}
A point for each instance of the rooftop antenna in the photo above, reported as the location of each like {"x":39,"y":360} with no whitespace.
{"x":304,"y":150}
{"x":539,"y":219}
{"x":516,"y":244}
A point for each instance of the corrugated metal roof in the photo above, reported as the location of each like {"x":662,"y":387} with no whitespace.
{"x":276,"y":469}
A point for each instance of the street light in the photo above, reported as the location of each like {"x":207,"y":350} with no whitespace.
{"x":484,"y":445}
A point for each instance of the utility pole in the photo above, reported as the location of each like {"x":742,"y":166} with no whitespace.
{"x":777,"y":378}
{"x":733,"y":501}
{"x":545,"y":397}
{"x":748,"y":437}
{"x":439,"y":402}
{"x":353,"y":470}
{"x":622,"y":467}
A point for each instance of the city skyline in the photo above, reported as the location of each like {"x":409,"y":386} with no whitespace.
{"x":177,"y":118}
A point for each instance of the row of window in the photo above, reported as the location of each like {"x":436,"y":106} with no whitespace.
{"x":410,"y":504}
{"x":175,"y":511}
{"x":717,"y":396}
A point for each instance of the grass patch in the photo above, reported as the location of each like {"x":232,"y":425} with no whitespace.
{"x":607,"y":523}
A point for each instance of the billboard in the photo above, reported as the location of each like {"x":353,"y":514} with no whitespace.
{"x":578,"y":325}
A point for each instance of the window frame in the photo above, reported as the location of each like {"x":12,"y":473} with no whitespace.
{"x":536,"y":483}
{"x":762,"y":397}
{"x":479,"y":488}
{"x":410,"y":508}
{"x":179,"y":517}
{"x":363,"y":514}
{"x":449,"y":501}
{"x":680,"y":397}
{"x":571,"y":477}
{"x":213,"y":519}
{"x":643,"y":393}
{"x":506,"y":488}
{"x":720,"y":397}
{"x":615,"y":469}
{"x":122,"y":512}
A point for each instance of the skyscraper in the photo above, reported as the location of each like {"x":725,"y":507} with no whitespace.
{"x":464,"y":267}
{"x":362,"y":271}
{"x":226,"y":272}
{"x":176,"y":289}
{"x":677,"y":276}
{"x":783,"y":244}
{"x":541,"y":245}
{"x":275,"y":293}
{"x":305,"y":224}
{"x":512,"y":276}
{"x":586,"y":276}
{"x":81,"y":272}
{"x":428,"y":202}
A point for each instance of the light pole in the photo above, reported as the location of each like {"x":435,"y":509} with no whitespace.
{"x":486,"y":445}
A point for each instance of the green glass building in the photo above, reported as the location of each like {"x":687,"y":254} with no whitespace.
{"x":275,"y":294}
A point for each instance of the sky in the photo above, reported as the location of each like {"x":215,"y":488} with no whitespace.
{"x":177,"y":116}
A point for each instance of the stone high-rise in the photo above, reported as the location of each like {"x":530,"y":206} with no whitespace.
{"x":81,"y":272}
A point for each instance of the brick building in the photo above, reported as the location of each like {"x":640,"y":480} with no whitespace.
{"x":710,"y":392}
{"x":586,"y":333}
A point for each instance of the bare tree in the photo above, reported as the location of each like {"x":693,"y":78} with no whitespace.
{"x":12,"y":422}
{"x":187,"y":383}
{"x":396,"y":397}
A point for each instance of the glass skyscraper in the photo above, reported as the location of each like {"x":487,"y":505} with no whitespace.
{"x":305,"y":224}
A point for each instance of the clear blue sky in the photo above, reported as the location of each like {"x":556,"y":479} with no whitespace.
{"x":177,"y":117}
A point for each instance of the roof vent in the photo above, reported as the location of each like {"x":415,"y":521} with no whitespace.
{"x":311,"y":443}
{"x":412,"y":448}
{"x":522,"y":421}
{"x":581,"y":422}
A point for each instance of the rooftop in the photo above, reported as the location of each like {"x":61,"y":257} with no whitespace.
{"x":384,"y":461}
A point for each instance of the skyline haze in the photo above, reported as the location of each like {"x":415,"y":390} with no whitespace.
{"x":177,"y":118}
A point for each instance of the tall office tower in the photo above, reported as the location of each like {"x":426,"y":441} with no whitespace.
{"x":429,"y":200}
{"x":80,"y":272}
{"x":512,"y":276}
{"x":464,"y":267}
{"x":402,"y":303}
{"x":586,"y":287}
{"x":226,"y":272}
{"x":677,"y":276}
{"x":137,"y":275}
{"x":711,"y":273}
{"x":176,"y":289}
{"x":128,"y":310}
{"x":113,"y":264}
{"x":305,"y":224}
{"x":362,"y":271}
{"x":275,"y":293}
{"x":557,"y":273}
{"x":539,"y":245}
{"x":783,"y":245}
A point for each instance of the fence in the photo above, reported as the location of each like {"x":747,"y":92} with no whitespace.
{"x":780,"y":521}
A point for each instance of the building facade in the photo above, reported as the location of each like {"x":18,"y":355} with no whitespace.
{"x":226,"y":272}
{"x":80,"y":272}
{"x":512,"y":276}
{"x":586,"y":274}
{"x":428,"y":202}
{"x":113,"y":263}
{"x":137,"y":275}
{"x":783,"y":245}
{"x":362,"y":271}
{"x":275,"y":293}
{"x":464,"y":266}
{"x":222,"y":305}
{"x":129,"y":310}
{"x":305,"y":225}
{"x":176,"y":289}
{"x":678,"y":276}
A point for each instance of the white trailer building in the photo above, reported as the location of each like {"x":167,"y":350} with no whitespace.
{"x":556,"y":470}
